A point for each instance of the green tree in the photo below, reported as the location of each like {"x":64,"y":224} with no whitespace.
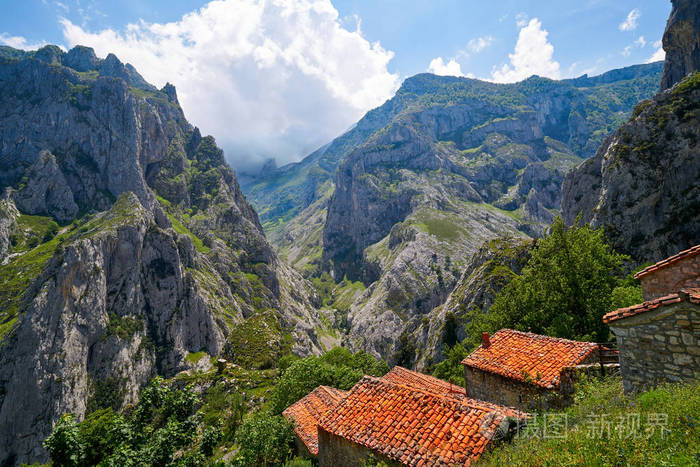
{"x":338,"y":368}
{"x":64,"y":444}
{"x":451,"y":369}
{"x":564,"y":290}
{"x":264,"y":439}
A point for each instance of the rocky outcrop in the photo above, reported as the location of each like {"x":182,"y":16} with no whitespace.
{"x":681,"y":42}
{"x":491,"y":268}
{"x":158,"y":254}
{"x":46,"y":190}
{"x":641,"y":186}
{"x":8,"y":219}
{"x":112,"y":308}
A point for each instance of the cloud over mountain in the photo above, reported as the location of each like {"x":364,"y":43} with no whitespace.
{"x":533,"y":55}
{"x":273,"y":78}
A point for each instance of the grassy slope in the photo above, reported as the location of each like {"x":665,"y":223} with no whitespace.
{"x":602,"y":404}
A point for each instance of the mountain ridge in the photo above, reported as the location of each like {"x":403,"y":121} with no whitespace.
{"x":125,"y":246}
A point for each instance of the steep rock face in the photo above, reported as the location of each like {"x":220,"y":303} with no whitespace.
{"x":681,"y":42}
{"x":579,"y":112}
{"x":641,"y":186}
{"x":158,"y":253}
{"x":109,"y":307}
{"x":8,"y":219}
{"x":466,"y":162}
{"x":490,"y":269}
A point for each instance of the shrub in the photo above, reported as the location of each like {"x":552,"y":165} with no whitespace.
{"x":338,"y":368}
{"x":607,"y":427}
{"x":264,"y":439}
{"x":64,"y":444}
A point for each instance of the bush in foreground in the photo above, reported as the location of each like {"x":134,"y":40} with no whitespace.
{"x":606,"y":427}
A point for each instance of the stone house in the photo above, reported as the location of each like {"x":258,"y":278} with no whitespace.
{"x":659,"y":340}
{"x":307,"y":412}
{"x":526,"y":370}
{"x":403,"y":418}
{"x":402,"y":425}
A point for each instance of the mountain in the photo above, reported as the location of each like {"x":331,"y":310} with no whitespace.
{"x":641,"y":186}
{"x":490,"y":269}
{"x":681,"y":42}
{"x":126,"y":247}
{"x":280,"y":194}
{"x":387,"y":216}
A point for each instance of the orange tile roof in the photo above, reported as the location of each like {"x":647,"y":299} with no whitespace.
{"x":412,"y":426}
{"x":307,"y":411}
{"x":430,"y":384}
{"x":528,"y":357}
{"x":689,"y":295}
{"x":689,"y":253}
{"x":420,"y":381}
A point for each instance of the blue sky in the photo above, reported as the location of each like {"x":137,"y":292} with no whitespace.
{"x":278,"y":79}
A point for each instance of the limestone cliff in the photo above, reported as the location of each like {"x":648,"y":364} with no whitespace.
{"x":463,"y":162}
{"x":641,"y":186}
{"x":125,"y":245}
{"x":681,"y":42}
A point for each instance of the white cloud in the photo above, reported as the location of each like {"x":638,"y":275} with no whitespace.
{"x":439,"y":67}
{"x":630,"y":23}
{"x":658,"y":55}
{"x":641,"y":42}
{"x":19,"y":42}
{"x":267,"y":78}
{"x":533,"y":55}
{"x":479,"y":44}
{"x":658,"y":44}
{"x":626,"y":51}
{"x":521,"y":19}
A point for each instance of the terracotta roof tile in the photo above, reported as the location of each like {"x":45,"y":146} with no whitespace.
{"x":689,"y":253}
{"x":423,"y":382}
{"x":412,"y":426}
{"x":524,"y":356}
{"x":307,"y":411}
{"x":690,"y":295}
{"x":433,"y":385}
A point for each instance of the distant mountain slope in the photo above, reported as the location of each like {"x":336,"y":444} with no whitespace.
{"x":126,"y":246}
{"x":279,"y":194}
{"x":642,"y":185}
{"x":423,"y":181}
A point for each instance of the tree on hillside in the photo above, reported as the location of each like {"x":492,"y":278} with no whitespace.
{"x":564,"y":291}
{"x":338,"y":368}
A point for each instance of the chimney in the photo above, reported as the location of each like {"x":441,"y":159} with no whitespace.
{"x":485,"y":340}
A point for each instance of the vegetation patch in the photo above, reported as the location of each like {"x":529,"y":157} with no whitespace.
{"x":182,"y":230}
{"x":15,"y":277}
{"x":258,"y":342}
{"x":607,"y":427}
{"x":124,"y":327}
{"x":32,"y":231}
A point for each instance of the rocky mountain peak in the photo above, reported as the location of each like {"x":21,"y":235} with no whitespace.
{"x":681,"y":42}
{"x":81,"y":58}
{"x":171,"y":92}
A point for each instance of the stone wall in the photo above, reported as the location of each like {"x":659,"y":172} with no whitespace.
{"x":334,"y":451}
{"x":494,"y":388}
{"x":512,"y":393}
{"x":659,"y":345}
{"x":672,"y":278}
